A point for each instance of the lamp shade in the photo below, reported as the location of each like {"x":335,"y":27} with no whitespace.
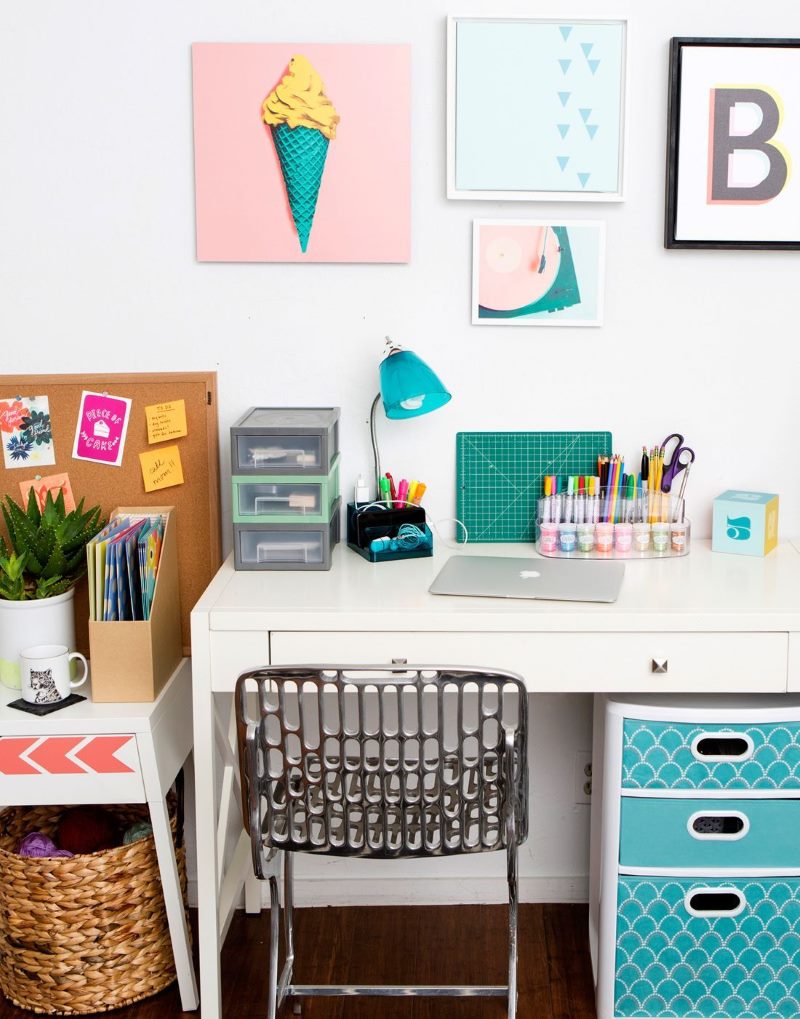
{"x":409,"y":387}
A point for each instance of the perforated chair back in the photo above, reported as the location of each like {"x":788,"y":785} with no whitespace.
{"x":385,"y":762}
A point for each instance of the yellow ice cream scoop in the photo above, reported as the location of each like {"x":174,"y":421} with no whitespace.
{"x":300,"y":101}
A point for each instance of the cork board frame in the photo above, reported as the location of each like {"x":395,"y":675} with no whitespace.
{"x":197,"y":501}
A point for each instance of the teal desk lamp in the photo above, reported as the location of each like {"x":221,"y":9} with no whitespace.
{"x":408,"y":388}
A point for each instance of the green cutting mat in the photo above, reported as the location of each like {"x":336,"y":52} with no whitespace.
{"x":499,"y":477}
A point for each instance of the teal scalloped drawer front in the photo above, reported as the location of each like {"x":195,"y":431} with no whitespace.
{"x":742,"y":964}
{"x":709,"y":833}
{"x":694,"y":755}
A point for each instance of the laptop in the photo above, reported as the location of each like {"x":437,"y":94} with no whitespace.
{"x":546,"y":579}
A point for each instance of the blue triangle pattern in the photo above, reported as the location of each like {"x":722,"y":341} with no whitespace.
{"x":593,"y":65}
{"x":592,"y":129}
{"x":585,"y":113}
{"x":584,"y":179}
{"x":563,"y":129}
{"x":562,"y":161}
{"x":565,"y":65}
{"x":565,"y":31}
{"x":587,"y":48}
{"x":564,"y":97}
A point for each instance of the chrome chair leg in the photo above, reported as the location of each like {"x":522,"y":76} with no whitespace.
{"x":288,"y":930}
{"x":511,"y":855}
{"x":274,"y":945}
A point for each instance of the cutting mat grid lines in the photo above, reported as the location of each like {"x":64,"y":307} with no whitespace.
{"x":499,"y":477}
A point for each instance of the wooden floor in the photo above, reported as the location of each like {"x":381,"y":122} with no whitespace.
{"x":404,"y":944}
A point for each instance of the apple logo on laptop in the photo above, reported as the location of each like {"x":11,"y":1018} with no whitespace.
{"x":529,"y":574}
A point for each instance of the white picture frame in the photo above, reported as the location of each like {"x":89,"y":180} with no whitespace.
{"x":488,"y":158}
{"x":538,"y":272}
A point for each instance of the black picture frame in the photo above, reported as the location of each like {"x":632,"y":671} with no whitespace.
{"x":676,"y":235}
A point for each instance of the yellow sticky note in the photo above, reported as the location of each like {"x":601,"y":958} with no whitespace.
{"x":161,"y":468}
{"x":166,"y":421}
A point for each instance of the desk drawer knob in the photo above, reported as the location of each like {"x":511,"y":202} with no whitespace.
{"x":659,"y":665}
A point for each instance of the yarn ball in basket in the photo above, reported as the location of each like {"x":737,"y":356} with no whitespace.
{"x":138,"y":830}
{"x":37,"y":844}
{"x":87,"y":830}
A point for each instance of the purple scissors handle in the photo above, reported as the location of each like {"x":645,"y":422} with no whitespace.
{"x":677,"y":457}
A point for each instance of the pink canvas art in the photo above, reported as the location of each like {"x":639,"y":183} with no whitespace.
{"x":302,"y":152}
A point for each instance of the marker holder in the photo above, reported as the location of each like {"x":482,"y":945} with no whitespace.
{"x":578,"y":526}
{"x":380,"y":522}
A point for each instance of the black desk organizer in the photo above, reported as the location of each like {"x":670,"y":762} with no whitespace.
{"x":369,"y":521}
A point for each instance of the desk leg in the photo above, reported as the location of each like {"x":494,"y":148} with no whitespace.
{"x":206,"y":815}
{"x":173,"y":900}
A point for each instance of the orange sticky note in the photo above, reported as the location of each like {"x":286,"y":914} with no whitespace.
{"x":54,"y":483}
{"x":161,"y":468}
{"x":166,"y":421}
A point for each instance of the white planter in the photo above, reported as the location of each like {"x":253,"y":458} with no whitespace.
{"x":25,"y":623}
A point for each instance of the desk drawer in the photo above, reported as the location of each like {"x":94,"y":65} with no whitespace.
{"x":709,"y":833}
{"x":565,"y":662}
{"x":95,"y":768}
{"x":715,"y":755}
{"x":715,"y":947}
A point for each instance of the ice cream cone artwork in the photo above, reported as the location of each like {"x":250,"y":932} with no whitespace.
{"x":303,"y":121}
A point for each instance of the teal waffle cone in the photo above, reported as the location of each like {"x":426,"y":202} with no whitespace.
{"x":302,"y":152}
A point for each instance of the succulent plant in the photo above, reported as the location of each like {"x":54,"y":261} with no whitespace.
{"x":47,"y":552}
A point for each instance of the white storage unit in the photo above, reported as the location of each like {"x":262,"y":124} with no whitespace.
{"x":700,"y":858}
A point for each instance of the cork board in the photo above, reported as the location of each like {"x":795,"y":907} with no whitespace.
{"x":196,"y":501}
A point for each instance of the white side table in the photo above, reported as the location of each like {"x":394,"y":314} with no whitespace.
{"x":109,"y":753}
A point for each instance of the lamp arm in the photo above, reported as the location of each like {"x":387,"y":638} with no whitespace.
{"x":375,"y":453}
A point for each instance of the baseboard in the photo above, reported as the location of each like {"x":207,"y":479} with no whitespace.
{"x":322,"y":891}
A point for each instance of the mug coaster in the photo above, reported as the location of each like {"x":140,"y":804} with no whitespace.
{"x":45,"y":709}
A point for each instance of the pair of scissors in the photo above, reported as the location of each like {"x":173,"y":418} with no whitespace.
{"x":676,"y":458}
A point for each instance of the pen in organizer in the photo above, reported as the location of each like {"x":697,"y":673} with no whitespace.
{"x":392,"y":489}
{"x":386,"y":492}
{"x":418,"y":493}
{"x":680,"y":505}
{"x":412,"y":488}
{"x":402,"y":494}
{"x":580,"y":504}
{"x":569,"y":500}
{"x":546,"y":502}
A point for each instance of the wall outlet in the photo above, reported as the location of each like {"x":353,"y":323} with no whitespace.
{"x":582,"y":776}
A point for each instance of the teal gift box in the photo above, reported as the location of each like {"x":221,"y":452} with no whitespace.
{"x":745,"y":523}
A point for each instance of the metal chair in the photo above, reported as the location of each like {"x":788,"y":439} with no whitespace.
{"x":384,"y":762}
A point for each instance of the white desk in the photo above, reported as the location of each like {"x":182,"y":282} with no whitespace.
{"x":722,"y":623}
{"x":109,"y":753}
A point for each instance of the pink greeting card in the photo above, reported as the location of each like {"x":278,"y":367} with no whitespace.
{"x":101,"y":429}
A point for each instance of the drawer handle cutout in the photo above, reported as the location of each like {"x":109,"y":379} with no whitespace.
{"x":722,"y":746}
{"x":714,"y":902}
{"x":718,"y":825}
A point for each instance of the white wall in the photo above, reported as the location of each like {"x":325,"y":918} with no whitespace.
{"x":97,"y":273}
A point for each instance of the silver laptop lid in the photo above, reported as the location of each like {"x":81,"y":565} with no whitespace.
{"x":548,"y":579}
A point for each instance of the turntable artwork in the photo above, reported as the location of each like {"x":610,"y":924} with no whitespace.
{"x":534,"y":272}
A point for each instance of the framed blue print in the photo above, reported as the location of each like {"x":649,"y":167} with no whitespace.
{"x":536,"y":109}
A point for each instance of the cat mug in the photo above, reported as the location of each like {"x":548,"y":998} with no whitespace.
{"x":45,"y":673}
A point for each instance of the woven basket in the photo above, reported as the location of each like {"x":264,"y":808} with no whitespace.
{"x":86,"y":933}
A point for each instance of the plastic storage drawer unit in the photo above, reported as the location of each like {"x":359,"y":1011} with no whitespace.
{"x":285,"y":499}
{"x":699,"y":893}
{"x":285,"y":440}
{"x":286,"y":546}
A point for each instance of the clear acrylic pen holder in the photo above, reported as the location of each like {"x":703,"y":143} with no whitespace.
{"x":651,"y":525}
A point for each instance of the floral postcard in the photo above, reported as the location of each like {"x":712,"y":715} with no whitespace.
{"x":26,"y":432}
{"x":53,"y":483}
{"x":101,"y":429}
